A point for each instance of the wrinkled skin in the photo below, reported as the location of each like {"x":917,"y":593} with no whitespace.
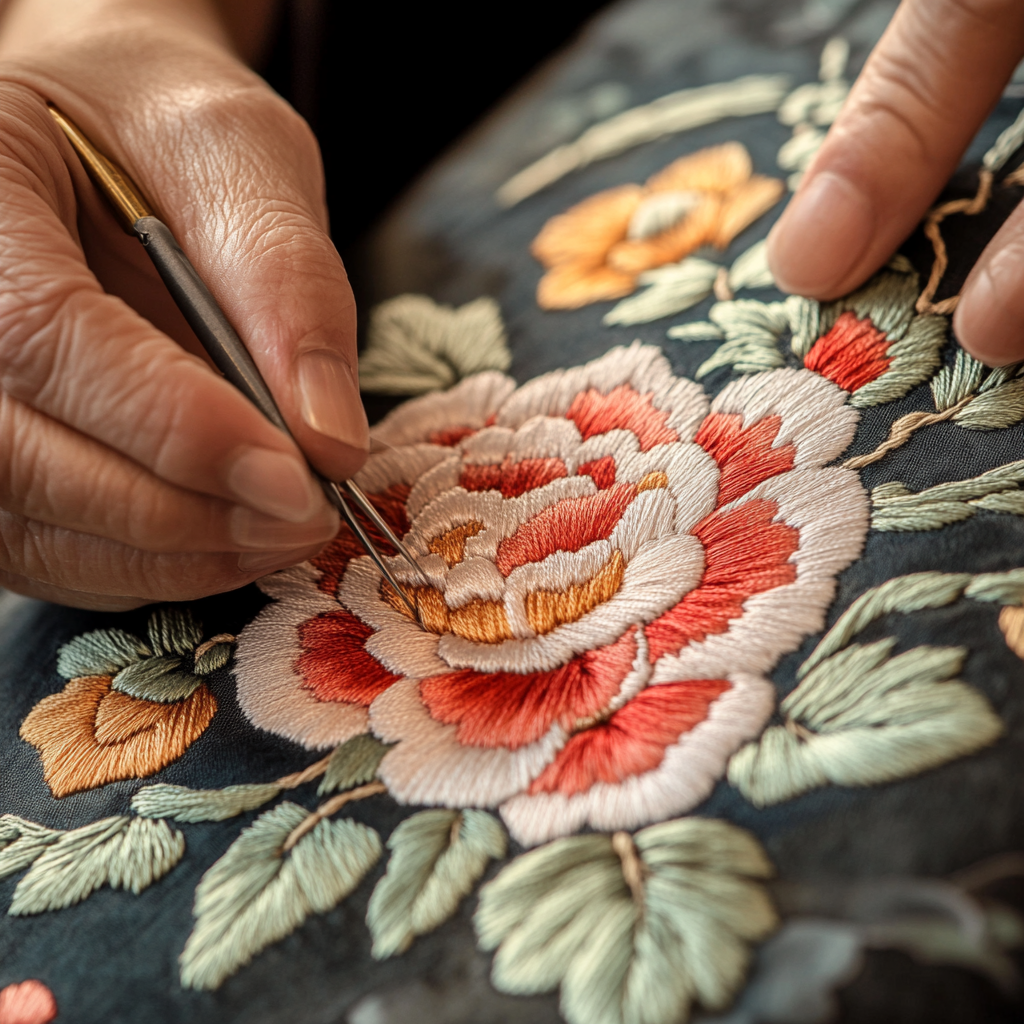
{"x":130,"y":471}
{"x":932,"y":80}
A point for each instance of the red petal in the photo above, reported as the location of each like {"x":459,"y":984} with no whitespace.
{"x":852,"y":354}
{"x":451,"y":437}
{"x":633,"y":740}
{"x":601,"y":471}
{"x":335,"y":665}
{"x":512,"y":478}
{"x":745,"y":457}
{"x":621,"y":409}
{"x":509,"y":709}
{"x":334,"y":558}
{"x":568,"y":525}
{"x":746,"y":554}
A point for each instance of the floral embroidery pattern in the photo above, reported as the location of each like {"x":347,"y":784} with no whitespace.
{"x":597,"y":249}
{"x":129,"y":708}
{"x":604,"y":552}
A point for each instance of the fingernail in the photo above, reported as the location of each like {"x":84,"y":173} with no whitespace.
{"x":265,"y":561}
{"x":821,"y":235}
{"x":983,"y":324}
{"x":329,"y":394}
{"x":274,"y":483}
{"x":251,"y":529}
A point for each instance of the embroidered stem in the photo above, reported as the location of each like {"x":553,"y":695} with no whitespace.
{"x":934,"y":235}
{"x":208,"y":645}
{"x":325,"y":810}
{"x":721,"y":287}
{"x":455,"y":831}
{"x":901,"y":431}
{"x":314,"y":771}
{"x":632,"y":866}
{"x":1015,"y":177}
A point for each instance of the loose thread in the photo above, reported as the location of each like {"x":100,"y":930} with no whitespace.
{"x":1015,"y":177}
{"x":934,"y":235}
{"x":901,"y":431}
{"x":207,"y":645}
{"x":325,"y":810}
{"x":632,"y":866}
{"x":314,"y":771}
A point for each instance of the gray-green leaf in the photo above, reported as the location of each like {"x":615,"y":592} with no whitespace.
{"x":356,"y":761}
{"x":100,"y":653}
{"x":436,"y":859}
{"x":125,"y":853}
{"x":256,"y":894}
{"x":174,"y":630}
{"x":216,"y":657}
{"x":564,"y":915}
{"x":864,"y":717}
{"x":191,"y":805}
{"x":995,"y":408}
{"x":21,"y":842}
{"x":160,"y":678}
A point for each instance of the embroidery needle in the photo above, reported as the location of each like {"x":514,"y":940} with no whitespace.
{"x":215,"y":332}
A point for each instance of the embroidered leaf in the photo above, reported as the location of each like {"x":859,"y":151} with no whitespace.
{"x":862,"y":717}
{"x":101,"y":653}
{"x":804,"y":322}
{"x":125,"y":853}
{"x":999,"y":587}
{"x":216,"y":655}
{"x":915,"y":357}
{"x":699,"y":331}
{"x":633,"y":929}
{"x":751,"y":331}
{"x":256,"y":894}
{"x":21,"y":842}
{"x":953,"y":384}
{"x":356,"y":761}
{"x":173,"y":630}
{"x":895,"y":508}
{"x":994,"y":408}
{"x":416,"y":345}
{"x":751,"y":269}
{"x":672,"y":289}
{"x":191,"y":805}
{"x":437,"y":857}
{"x":160,"y":678}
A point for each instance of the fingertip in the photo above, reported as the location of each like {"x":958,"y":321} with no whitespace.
{"x":821,"y":237}
{"x":989,"y":319}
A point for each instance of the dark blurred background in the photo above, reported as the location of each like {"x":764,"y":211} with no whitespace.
{"x":388,"y":87}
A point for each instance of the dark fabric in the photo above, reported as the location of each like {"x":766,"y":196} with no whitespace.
{"x":113,"y":958}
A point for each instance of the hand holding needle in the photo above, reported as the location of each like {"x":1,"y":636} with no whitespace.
{"x":215,"y":332}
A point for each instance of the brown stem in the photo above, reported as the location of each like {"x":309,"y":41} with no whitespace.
{"x":901,"y":431}
{"x":314,"y":771}
{"x":453,"y":836}
{"x":989,"y":871}
{"x":1015,"y":177}
{"x":632,"y":866}
{"x":934,"y":235}
{"x":325,"y":810}
{"x":208,"y":645}
{"x":721,"y":287}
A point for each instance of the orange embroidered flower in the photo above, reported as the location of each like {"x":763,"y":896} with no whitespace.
{"x":129,"y":708}
{"x":597,"y":249}
{"x":612,"y":565}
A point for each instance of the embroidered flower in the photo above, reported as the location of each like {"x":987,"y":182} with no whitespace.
{"x":597,"y":249}
{"x":29,"y":1002}
{"x":129,"y":708}
{"x":612,"y":567}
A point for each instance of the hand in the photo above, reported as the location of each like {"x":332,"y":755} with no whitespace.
{"x":924,"y":92}
{"x":130,"y":471}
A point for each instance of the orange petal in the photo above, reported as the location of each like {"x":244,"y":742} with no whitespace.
{"x":698,"y":228}
{"x":715,"y":169}
{"x":745,"y":205}
{"x":573,"y":285}
{"x":1011,"y":622}
{"x":586,"y":231}
{"x":63,"y":728}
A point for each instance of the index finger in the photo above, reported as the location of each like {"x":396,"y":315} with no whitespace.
{"x":930,"y":83}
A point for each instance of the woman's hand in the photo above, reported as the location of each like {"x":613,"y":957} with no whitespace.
{"x":930,"y":83}
{"x":129,"y":470}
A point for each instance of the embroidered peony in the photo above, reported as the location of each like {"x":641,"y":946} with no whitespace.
{"x":613,"y":565}
{"x":597,"y":249}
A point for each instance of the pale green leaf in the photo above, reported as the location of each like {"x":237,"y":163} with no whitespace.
{"x":354,"y":762}
{"x":160,"y":678}
{"x":954,"y":383}
{"x":998,"y":587}
{"x":670,"y":289}
{"x":564,"y":915}
{"x":103,"y":652}
{"x":697,"y":331}
{"x":750,"y":269}
{"x":21,"y":842}
{"x":190,"y":805}
{"x":127,"y":853}
{"x":174,"y":630}
{"x":256,"y":893}
{"x":437,"y":857}
{"x":804,"y":323}
{"x":862,"y":718}
{"x":994,"y":409}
